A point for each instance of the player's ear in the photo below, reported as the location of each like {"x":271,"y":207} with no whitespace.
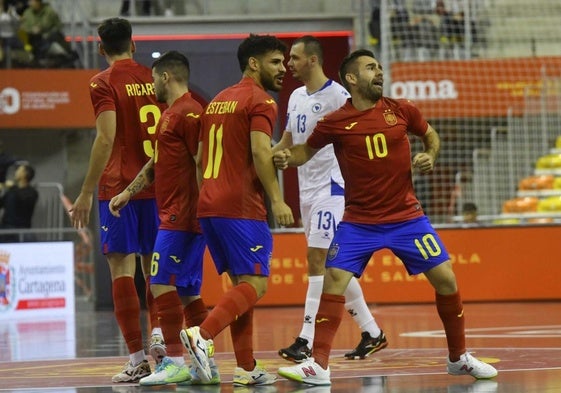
{"x":100,"y":49}
{"x":314,"y":59}
{"x":253,"y":63}
{"x":350,"y":78}
{"x":133,"y":47}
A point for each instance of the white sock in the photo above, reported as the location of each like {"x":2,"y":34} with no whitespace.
{"x":357,"y":307}
{"x":137,"y":357}
{"x":178,"y":360}
{"x":157,"y":330}
{"x":313,"y":295}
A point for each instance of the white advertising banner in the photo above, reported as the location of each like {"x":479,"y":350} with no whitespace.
{"x":36,"y":280}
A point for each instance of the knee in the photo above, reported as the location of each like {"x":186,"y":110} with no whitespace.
{"x":336,"y":281}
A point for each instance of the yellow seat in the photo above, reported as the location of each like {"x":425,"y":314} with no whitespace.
{"x":506,"y":221}
{"x":550,"y":204}
{"x":558,"y":142}
{"x":549,"y":161}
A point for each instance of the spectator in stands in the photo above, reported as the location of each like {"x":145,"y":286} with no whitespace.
{"x":424,"y":29}
{"x":469,"y":213}
{"x":18,"y":200}
{"x":400,"y":29}
{"x":374,"y":26}
{"x":144,"y":10}
{"x":453,"y":29}
{"x":6,"y":161}
{"x":17,"y":6}
{"x":9,"y":21}
{"x":42,"y":30}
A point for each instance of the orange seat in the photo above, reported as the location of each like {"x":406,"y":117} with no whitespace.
{"x":543,"y":182}
{"x":521,"y":205}
{"x":543,"y":220}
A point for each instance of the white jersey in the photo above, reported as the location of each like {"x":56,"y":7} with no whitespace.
{"x":321,"y":175}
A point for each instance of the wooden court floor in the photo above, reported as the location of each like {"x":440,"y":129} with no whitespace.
{"x":522,"y":340}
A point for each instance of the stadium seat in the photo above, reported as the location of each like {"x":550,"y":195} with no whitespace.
{"x":543,"y":182}
{"x":550,"y":204}
{"x":521,"y":205}
{"x":549,"y":161}
{"x":540,"y":220}
{"x":506,"y":221}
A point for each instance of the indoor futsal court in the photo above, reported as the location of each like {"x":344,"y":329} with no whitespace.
{"x":522,"y":340}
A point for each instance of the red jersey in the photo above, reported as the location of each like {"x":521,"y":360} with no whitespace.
{"x":373,"y":151}
{"x":127,"y":88}
{"x":230,"y":185}
{"x":175,"y":172}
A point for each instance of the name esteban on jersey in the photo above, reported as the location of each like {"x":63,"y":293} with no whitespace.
{"x":221,"y":107}
{"x":139,"y":89}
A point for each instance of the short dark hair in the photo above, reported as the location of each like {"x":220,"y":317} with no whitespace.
{"x":258,"y":45}
{"x":349,"y":62}
{"x":175,"y":63}
{"x":115,"y":35}
{"x":312,"y":46}
{"x":469,"y":207}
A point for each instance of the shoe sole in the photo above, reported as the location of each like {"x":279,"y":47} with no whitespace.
{"x":200,"y":368}
{"x":136,"y":379}
{"x":199,"y":383}
{"x":478,"y":378}
{"x":170,"y":381}
{"x":285,"y":356}
{"x":158,"y":352}
{"x":374,"y":350}
{"x":298,"y":378}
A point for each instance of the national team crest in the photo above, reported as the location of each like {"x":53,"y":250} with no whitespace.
{"x":390,"y":118}
{"x":333,"y":251}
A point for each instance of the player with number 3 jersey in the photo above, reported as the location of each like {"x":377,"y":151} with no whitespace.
{"x":127,"y":113}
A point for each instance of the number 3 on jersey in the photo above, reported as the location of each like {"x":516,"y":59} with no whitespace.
{"x":144,"y":113}
{"x":215,"y":152}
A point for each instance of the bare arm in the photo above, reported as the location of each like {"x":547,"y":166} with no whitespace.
{"x":262,"y":154}
{"x":142,"y":180}
{"x":106,"y":124}
{"x":284,"y":143}
{"x":295,"y":156}
{"x":425,"y":161}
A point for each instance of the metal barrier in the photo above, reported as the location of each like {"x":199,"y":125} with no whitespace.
{"x":48,"y":225}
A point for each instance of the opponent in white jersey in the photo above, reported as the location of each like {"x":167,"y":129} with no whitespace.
{"x":321,"y":197}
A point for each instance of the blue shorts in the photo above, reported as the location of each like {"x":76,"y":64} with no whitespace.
{"x":178,"y":261}
{"x":134,"y":232}
{"x":239,"y":246}
{"x":415,"y":242}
